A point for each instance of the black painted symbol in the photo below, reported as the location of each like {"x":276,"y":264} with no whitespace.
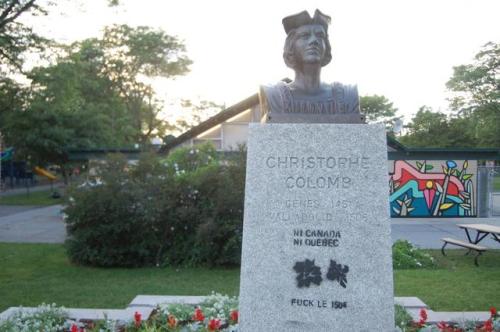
{"x":338,"y":272}
{"x":307,"y":273}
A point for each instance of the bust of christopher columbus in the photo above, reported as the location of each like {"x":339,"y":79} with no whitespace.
{"x":306,"y":99}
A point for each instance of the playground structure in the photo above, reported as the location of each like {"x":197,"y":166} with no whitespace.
{"x":43,"y":172}
{"x":18,"y":173}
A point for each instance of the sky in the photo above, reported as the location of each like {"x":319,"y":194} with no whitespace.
{"x":404,"y":50}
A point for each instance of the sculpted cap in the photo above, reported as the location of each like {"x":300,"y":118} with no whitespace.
{"x":303,"y":18}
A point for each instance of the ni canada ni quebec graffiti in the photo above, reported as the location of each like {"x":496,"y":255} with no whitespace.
{"x":433,"y":188}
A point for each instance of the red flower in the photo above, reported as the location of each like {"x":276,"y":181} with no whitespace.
{"x":423,"y":318}
{"x":171,"y":321}
{"x":137,"y":319}
{"x":214,"y":324}
{"x":423,"y":315}
{"x":234,"y":316}
{"x":443,"y":326}
{"x":488,"y":326}
{"x":74,"y":328}
{"x":493,"y":312}
{"x":198,"y":315}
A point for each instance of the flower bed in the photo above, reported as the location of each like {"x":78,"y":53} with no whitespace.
{"x":490,"y":325}
{"x":217,"y":313}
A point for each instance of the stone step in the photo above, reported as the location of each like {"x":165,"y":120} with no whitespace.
{"x":434,"y":317}
{"x":410,"y":302}
{"x":154,"y":300}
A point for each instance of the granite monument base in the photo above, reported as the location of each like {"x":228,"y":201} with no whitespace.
{"x":316,"y":240}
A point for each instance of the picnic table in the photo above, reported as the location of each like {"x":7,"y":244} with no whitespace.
{"x":482,"y":231}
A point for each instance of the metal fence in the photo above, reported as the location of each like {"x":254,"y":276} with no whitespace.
{"x":488,"y":178}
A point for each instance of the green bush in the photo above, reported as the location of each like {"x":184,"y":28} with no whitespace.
{"x":110,"y":221}
{"x":402,"y":318}
{"x":406,"y":256}
{"x":184,"y":209}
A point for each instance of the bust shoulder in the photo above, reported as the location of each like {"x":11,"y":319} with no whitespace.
{"x":347,"y":96}
{"x":338,"y":103}
{"x":277,"y":96}
{"x":271,"y":96}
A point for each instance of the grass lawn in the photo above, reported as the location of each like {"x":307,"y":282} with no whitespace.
{"x":456,"y":284}
{"x":41,"y":198}
{"x":34,"y":273}
{"x":496,"y":183}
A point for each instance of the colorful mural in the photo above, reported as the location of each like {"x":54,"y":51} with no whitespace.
{"x":433,"y":188}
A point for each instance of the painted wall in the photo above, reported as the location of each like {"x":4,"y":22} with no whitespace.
{"x":437,"y":188}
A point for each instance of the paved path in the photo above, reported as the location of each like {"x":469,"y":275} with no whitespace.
{"x":45,"y":225}
{"x":7,"y":210}
{"x":42,"y":225}
{"x":426,"y":233}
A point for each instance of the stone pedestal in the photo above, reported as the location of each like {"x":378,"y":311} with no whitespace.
{"x":316,"y":241}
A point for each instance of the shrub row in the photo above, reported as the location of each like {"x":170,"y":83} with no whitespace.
{"x":184,"y":209}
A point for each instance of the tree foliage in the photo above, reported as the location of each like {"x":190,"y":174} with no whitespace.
{"x":196,"y":112}
{"x":93,"y":96}
{"x":70,"y":105}
{"x":377,"y":109}
{"x":475,"y":121}
{"x":12,"y":96}
{"x":476,"y":89}
{"x":15,"y":37}
{"x":131,"y":54}
{"x":477,"y":84}
{"x":435,"y":129}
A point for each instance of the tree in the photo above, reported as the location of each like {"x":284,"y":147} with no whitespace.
{"x":15,"y":37}
{"x":476,"y":98}
{"x":426,"y":129}
{"x":195,"y":113}
{"x":12,"y":96}
{"x":70,"y":105}
{"x":130,"y":54}
{"x":378,"y":109}
{"x":475,"y":103}
{"x":94,"y":96}
{"x":435,"y":129}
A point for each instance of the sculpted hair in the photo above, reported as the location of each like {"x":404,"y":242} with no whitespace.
{"x":289,"y":55}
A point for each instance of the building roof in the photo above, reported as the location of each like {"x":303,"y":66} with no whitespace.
{"x":217,"y":119}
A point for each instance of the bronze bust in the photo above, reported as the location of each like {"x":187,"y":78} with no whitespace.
{"x":306,"y":99}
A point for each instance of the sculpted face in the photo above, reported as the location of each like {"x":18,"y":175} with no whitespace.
{"x":309,"y":46}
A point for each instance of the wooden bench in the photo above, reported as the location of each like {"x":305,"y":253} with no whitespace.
{"x":468,"y":245}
